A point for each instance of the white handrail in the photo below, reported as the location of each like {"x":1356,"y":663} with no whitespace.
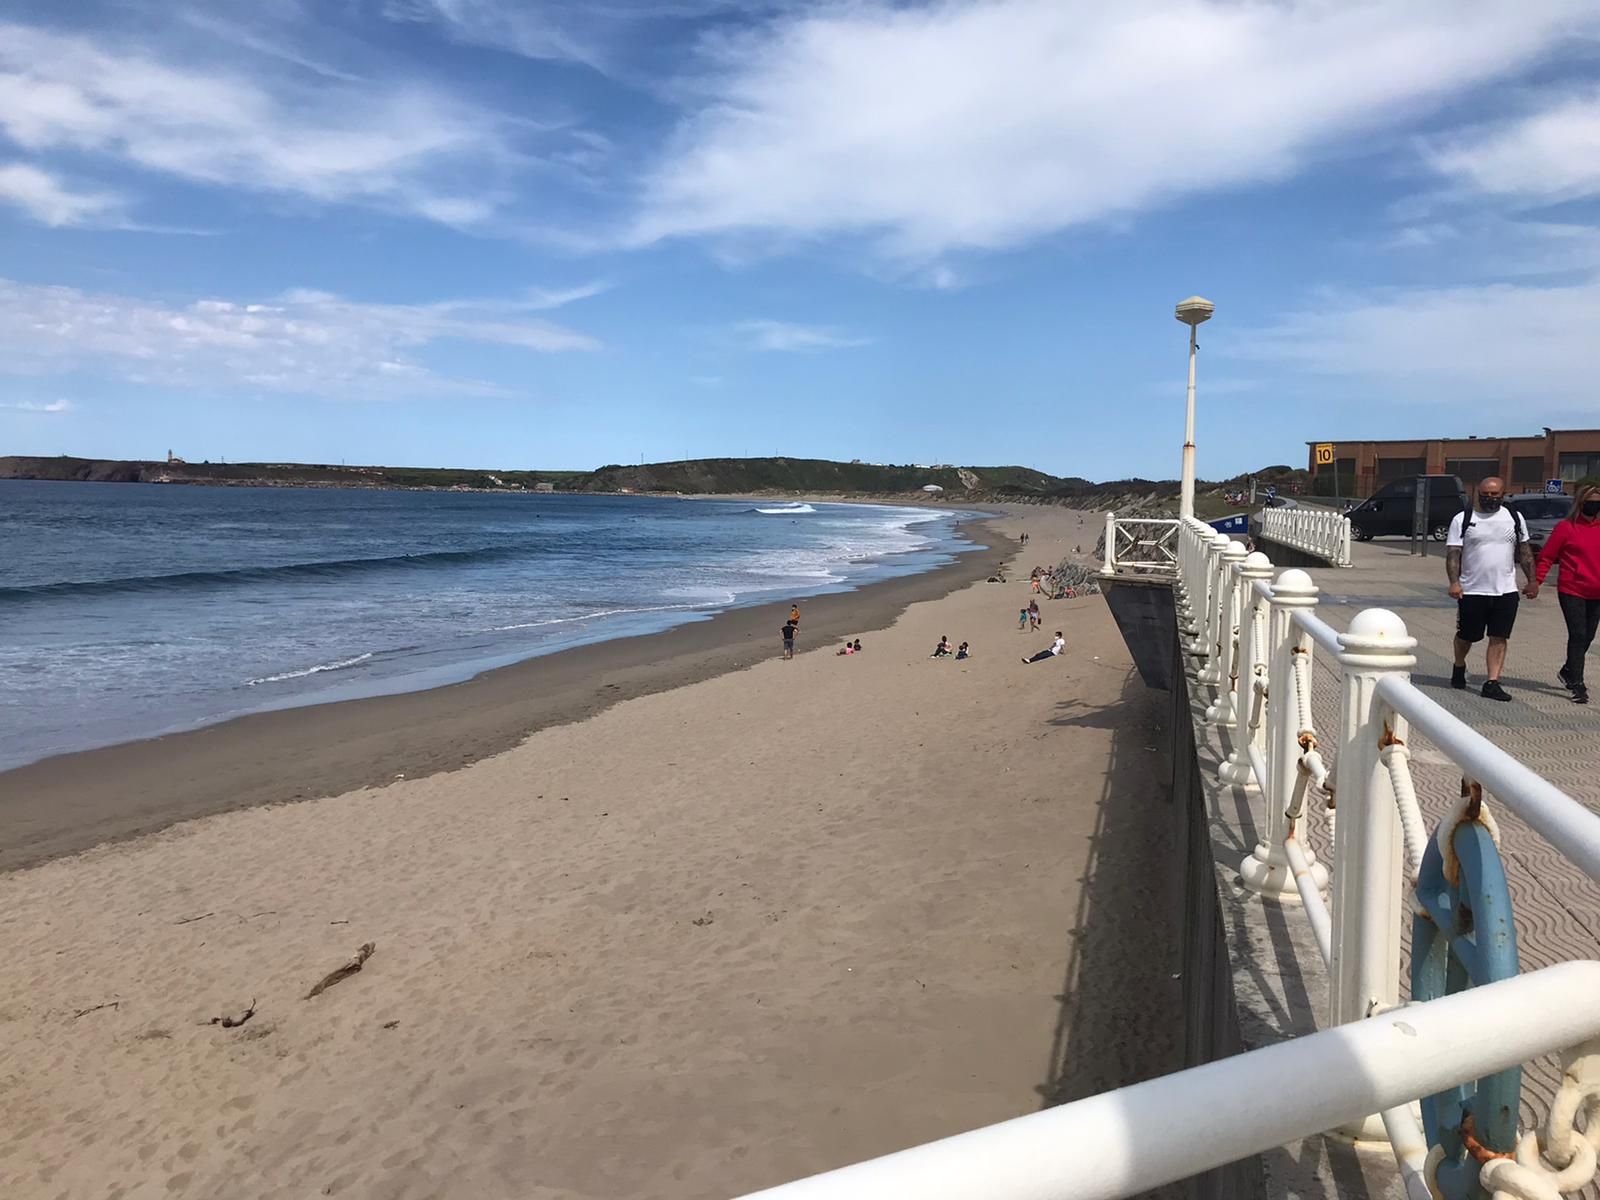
{"x":1252,"y":644}
{"x":1316,"y":531}
{"x":1567,"y":825}
{"x":1124,"y":1142}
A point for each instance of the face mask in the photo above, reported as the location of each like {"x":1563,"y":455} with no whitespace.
{"x":1489,"y":503}
{"x":1591,"y":508}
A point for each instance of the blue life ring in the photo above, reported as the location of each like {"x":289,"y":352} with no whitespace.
{"x":1466,"y":937}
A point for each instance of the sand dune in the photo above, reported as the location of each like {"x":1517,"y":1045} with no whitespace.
{"x":701,"y":942}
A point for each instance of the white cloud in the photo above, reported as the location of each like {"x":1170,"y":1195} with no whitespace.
{"x":784,"y":336}
{"x":400,"y":147}
{"x":985,"y":123}
{"x":38,"y":406}
{"x":303,"y":342}
{"x":1510,"y":347}
{"x":49,"y":201}
{"x":1549,"y":155}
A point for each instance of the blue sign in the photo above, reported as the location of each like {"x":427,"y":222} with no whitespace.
{"x":1552,"y":487}
{"x":1239,"y":523}
{"x":1272,"y":493}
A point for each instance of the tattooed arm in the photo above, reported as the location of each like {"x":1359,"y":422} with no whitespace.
{"x":1452,"y":569}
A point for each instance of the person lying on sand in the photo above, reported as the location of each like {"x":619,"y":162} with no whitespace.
{"x":943,"y":649}
{"x":848,"y":649}
{"x":1056,"y":647}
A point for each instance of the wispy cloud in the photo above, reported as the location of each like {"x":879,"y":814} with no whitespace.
{"x":303,"y":342}
{"x":980,"y":124}
{"x":40,"y":406}
{"x":787,"y":337}
{"x":1549,"y":155}
{"x":398,"y":146}
{"x":1506,"y":347}
{"x":48,"y":200}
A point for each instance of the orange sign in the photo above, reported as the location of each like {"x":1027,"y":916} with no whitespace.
{"x":1324,"y":454}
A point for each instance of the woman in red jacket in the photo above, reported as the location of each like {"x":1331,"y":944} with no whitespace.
{"x":1574,"y":548}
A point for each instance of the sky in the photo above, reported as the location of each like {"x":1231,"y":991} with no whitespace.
{"x":516,"y":234}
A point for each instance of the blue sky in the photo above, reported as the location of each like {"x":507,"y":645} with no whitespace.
{"x":486,"y":233}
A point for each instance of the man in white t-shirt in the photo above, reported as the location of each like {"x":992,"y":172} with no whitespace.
{"x":1486,"y":545}
{"x":1056,"y":647}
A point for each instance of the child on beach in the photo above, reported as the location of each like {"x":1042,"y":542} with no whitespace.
{"x":963,"y":652}
{"x":1022,"y":619}
{"x":788,"y":639}
{"x":1035,"y":621}
{"x":857,"y":646}
{"x":848,"y":649}
{"x":794,"y":615}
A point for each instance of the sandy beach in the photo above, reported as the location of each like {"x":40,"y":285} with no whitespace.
{"x":733,"y":927}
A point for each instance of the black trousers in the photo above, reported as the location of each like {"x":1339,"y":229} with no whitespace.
{"x":1583,"y":618}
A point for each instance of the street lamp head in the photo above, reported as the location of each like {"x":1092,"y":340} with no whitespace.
{"x":1194,"y":310}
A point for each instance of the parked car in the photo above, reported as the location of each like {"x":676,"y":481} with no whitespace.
{"x":1541,"y":512}
{"x":1388,"y":511}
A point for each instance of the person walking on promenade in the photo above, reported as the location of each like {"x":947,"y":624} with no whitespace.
{"x":789,"y":630}
{"x":1574,"y":550}
{"x":1056,"y":647}
{"x":1485,"y":546}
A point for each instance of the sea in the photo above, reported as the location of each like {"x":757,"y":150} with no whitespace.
{"x":133,"y":610}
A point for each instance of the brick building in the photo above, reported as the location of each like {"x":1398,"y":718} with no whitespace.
{"x":1360,"y":468}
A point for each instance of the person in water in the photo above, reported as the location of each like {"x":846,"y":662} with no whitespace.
{"x":1056,"y":647}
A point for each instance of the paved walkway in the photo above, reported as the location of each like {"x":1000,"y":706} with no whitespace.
{"x":1557,"y":906}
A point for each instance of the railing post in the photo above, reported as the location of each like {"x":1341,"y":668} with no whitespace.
{"x":1368,"y":888}
{"x":1251,"y":665}
{"x":1346,"y":555}
{"x":1211,"y":613}
{"x":1221,"y":711}
{"x":1188,"y":572}
{"x":1111,"y":543}
{"x":1267,"y":870}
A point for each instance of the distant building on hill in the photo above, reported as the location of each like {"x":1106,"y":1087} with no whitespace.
{"x":544,"y":487}
{"x":173,"y":458}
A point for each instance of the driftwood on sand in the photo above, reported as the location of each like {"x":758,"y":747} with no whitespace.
{"x":344,"y":972}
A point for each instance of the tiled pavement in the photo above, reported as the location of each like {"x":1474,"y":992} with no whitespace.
{"x":1557,"y":907}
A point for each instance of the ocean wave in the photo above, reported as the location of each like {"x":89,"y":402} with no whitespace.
{"x":786,"y":510}
{"x":316,"y":670}
{"x":601,"y":612}
{"x":182,"y":580}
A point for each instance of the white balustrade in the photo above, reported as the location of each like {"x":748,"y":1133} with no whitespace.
{"x":1253,"y":643}
{"x":1316,"y":531}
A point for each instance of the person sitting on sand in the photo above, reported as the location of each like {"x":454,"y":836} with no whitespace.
{"x":788,"y":639}
{"x":1056,"y":647}
{"x":963,"y":652}
{"x":857,"y":646}
{"x":848,"y":649}
{"x":943,"y":649}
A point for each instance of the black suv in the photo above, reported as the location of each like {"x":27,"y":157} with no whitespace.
{"x":1389,"y":510}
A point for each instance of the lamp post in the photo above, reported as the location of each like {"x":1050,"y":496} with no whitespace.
{"x":1191,"y":312}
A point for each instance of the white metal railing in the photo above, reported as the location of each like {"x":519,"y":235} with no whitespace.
{"x":1140,"y":545}
{"x":1256,"y":641}
{"x":1318,"y":531}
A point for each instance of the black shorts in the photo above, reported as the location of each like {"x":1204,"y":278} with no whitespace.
{"x":1477,"y":615}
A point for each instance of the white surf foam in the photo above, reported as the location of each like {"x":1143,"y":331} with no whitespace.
{"x":316,"y":670}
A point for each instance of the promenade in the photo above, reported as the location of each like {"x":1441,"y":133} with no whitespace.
{"x":1557,"y":907}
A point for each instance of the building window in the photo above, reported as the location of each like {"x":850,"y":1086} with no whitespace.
{"x":1579,"y":465}
{"x":1399,"y":468}
{"x":1527,"y":472}
{"x":1472,"y":470}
